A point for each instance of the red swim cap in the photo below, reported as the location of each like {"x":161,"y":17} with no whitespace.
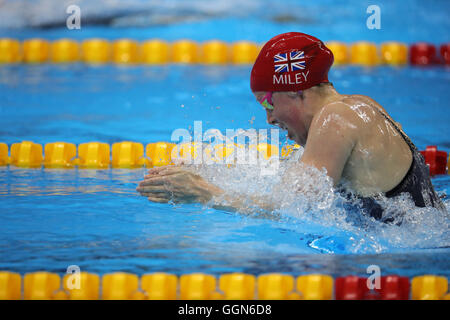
{"x":291,"y":61}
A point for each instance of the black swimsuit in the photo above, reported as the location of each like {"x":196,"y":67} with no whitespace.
{"x":416,"y":182}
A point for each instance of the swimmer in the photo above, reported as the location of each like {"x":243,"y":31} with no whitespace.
{"x":351,"y":136}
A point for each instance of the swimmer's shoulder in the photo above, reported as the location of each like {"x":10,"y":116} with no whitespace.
{"x":339,"y":113}
{"x":361,"y":102}
{"x":347,"y":107}
{"x":359,"y":98}
{"x":373,"y":104}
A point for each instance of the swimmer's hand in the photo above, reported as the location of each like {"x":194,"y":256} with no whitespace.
{"x":173,"y":183}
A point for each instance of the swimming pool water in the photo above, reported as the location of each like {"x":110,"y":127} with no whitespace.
{"x":50,"y":219}
{"x":228,"y":20}
{"x":94,"y":218}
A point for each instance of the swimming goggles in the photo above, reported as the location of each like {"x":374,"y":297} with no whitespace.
{"x":266,"y":101}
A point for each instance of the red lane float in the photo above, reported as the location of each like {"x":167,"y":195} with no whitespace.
{"x":422,"y":54}
{"x":436,"y":160}
{"x":394,"y":288}
{"x":391,"y":287}
{"x":350,"y":288}
{"x":445,"y":53}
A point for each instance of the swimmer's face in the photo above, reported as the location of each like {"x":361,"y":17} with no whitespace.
{"x":286,"y":115}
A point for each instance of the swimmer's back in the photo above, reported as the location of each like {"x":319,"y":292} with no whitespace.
{"x":381,"y":157}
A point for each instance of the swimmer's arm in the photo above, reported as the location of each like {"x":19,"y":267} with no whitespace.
{"x":239,"y":203}
{"x":331,"y":139}
{"x":174,"y":183}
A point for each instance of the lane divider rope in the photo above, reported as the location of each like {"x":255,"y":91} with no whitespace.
{"x":212,"y":52}
{"x":231,"y":286}
{"x":128,"y":154}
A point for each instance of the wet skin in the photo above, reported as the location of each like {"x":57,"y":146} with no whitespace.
{"x":348,"y":136}
{"x":345,"y":134}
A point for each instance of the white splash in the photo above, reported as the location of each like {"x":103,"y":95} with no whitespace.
{"x":305,"y":197}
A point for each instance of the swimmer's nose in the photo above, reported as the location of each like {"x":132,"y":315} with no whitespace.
{"x":270,"y":119}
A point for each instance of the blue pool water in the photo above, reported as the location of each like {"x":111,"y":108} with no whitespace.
{"x":95,"y":219}
{"x":50,"y":219}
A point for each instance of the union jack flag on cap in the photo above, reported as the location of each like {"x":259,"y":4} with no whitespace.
{"x":290,"y":61}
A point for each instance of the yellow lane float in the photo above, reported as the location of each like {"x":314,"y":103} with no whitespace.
{"x":244,"y":52}
{"x":65,"y":51}
{"x":59,"y":155}
{"x":364,"y":53}
{"x":96,"y":51}
{"x":214,"y":52}
{"x":10,"y":51}
{"x":127,"y":154}
{"x":155,"y":52}
{"x":185,"y":51}
{"x":93,"y":155}
{"x":36,"y":50}
{"x":125,"y":51}
{"x":26,"y":154}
